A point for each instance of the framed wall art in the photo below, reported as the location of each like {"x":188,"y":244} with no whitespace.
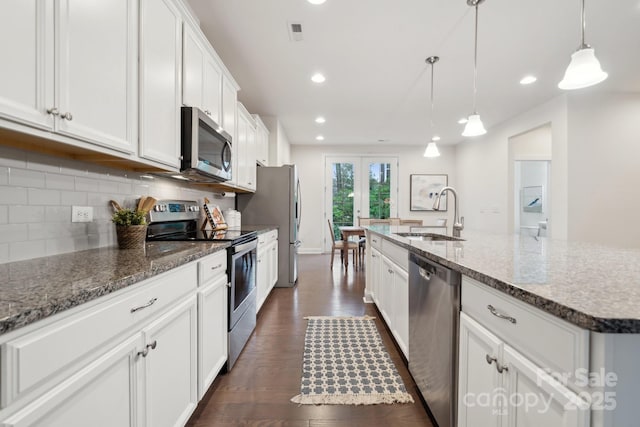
{"x":424,"y":188}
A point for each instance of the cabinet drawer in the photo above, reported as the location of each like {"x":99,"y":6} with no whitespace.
{"x":376,"y":241}
{"x":268,"y":237}
{"x":550,"y":342}
{"x":60,"y":348}
{"x":397,"y":254}
{"x":212,"y":267}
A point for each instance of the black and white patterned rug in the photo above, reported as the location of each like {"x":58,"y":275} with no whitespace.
{"x":345,"y":363}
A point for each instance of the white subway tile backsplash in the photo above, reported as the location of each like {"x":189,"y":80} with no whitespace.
{"x":86,"y":184}
{"x":57,"y":214}
{"x":24,"y":214}
{"x":13,"y":232}
{"x":26,"y":178}
{"x":43,"y":197}
{"x":42,"y":162}
{"x":107,"y":186}
{"x":26,"y":250}
{"x":71,"y":198}
{"x":66,"y":244}
{"x":4,"y":252}
{"x":58,"y":181}
{"x":54,"y":230}
{"x":4,"y":175}
{"x":4,"y":214}
{"x":12,"y":157}
{"x":125,"y":188}
{"x":13,"y":195}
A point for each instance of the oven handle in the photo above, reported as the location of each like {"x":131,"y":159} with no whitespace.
{"x":245,"y":247}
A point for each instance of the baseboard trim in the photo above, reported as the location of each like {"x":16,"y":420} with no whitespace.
{"x":310,"y":251}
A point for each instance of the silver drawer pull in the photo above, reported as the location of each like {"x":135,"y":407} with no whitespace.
{"x":425,"y":274}
{"x":145,"y":350}
{"x":491,"y":359}
{"x":216,"y":267}
{"x":149,"y":304}
{"x":500,"y":315}
{"x":390,"y":271}
{"x":153,"y":345}
{"x":502,"y":368}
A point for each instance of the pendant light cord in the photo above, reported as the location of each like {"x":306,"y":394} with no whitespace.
{"x":584,"y":24}
{"x":432,"y":108}
{"x":475,"y":65}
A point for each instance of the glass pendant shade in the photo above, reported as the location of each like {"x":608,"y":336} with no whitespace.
{"x":432,"y":150}
{"x":474,"y":126}
{"x":583,"y":71}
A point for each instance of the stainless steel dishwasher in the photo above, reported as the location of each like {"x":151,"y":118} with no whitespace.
{"x":434,"y":310}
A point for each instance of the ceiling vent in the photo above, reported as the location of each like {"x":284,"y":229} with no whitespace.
{"x":295,"y":31}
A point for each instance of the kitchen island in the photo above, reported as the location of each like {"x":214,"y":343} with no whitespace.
{"x":548,"y":320}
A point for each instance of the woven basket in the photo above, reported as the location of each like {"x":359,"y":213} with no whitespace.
{"x":131,"y":236}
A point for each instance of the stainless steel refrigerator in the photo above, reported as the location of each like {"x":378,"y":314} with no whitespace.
{"x":277,"y":201}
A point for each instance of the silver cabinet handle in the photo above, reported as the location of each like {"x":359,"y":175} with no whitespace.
{"x":149,"y":304}
{"x":216,"y":267}
{"x":374,"y":240}
{"x":501,"y":368}
{"x":67,"y":116}
{"x":390,"y":271}
{"x":207,"y":112}
{"x":500,"y":315}
{"x":491,"y":359}
{"x":145,"y":350}
{"x":53,"y":111}
{"x":273,"y":249}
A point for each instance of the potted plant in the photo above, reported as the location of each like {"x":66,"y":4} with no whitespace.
{"x":131,"y":228}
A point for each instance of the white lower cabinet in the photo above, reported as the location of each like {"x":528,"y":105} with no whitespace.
{"x":103,"y":394}
{"x":374,"y":269}
{"x":267,"y":274}
{"x":498,"y":386}
{"x":212,"y":332}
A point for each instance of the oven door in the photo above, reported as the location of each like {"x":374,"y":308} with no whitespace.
{"x":243,"y":261}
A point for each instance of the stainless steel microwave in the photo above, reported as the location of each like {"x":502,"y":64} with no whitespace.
{"x":206,"y":148}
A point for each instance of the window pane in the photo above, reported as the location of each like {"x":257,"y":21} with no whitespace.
{"x":343,"y":180}
{"x":379,"y":190}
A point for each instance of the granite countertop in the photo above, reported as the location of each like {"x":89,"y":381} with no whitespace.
{"x":34,"y":289}
{"x":592,"y":286}
{"x":261,"y":229}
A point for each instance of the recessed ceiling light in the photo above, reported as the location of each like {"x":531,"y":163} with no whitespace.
{"x":527,"y":80}
{"x":316,"y":1}
{"x":320,"y":119}
{"x":319,"y":138}
{"x":318,"y":78}
{"x":435,"y":138}
{"x":463,"y":121}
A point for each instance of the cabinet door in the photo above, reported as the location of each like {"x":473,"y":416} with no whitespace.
{"x":250,"y":155}
{"x":273,"y":264}
{"x":240,"y":146}
{"x":401,"y":310}
{"x":387,"y":294}
{"x":96,"y":72}
{"x":262,"y":277}
{"x":103,"y":394}
{"x":229,"y":106}
{"x":160,"y":50}
{"x":212,"y":333}
{"x":26,"y":86}
{"x":478,"y":380}
{"x":170,"y":367}
{"x":536,"y":399}
{"x":212,"y":88}
{"x":376,"y":275}
{"x":192,"y":69}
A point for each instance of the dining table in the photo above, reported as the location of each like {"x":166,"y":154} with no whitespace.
{"x":346,"y":231}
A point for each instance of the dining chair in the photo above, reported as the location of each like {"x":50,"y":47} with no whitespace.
{"x":411,"y":222}
{"x":344,"y":246}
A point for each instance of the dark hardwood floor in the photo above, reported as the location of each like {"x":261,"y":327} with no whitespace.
{"x":267,"y":374}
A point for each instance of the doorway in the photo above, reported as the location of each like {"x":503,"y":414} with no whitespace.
{"x":359,"y":186}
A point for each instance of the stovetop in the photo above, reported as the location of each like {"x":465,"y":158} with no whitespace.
{"x":234,"y":236}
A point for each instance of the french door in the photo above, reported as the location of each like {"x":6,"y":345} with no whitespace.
{"x":359,"y":186}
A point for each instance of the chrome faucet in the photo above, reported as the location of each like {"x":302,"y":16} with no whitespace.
{"x":458,"y":222}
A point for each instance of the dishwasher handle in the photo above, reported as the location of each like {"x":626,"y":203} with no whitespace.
{"x":426,"y":275}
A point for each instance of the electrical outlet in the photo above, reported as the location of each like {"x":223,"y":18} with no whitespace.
{"x":81,"y":214}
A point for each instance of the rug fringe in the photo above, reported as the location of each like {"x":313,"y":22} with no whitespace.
{"x":355,"y":399}
{"x":339,"y":317}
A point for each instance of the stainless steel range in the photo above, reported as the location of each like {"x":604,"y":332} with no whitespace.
{"x":177,"y":220}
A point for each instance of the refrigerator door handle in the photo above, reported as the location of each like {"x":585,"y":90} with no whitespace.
{"x":299,"y":205}
{"x":297,"y":243}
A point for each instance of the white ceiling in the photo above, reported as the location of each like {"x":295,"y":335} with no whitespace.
{"x":373,"y":54}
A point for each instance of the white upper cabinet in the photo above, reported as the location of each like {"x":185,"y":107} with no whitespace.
{"x":262,"y":142}
{"x":246,"y":153}
{"x":160,"y":53}
{"x":201,"y":76}
{"x":71,"y":69}
{"x":229,"y":106}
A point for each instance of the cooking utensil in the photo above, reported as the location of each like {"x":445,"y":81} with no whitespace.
{"x":148,"y":204}
{"x":141,"y":202}
{"x":116,"y":207}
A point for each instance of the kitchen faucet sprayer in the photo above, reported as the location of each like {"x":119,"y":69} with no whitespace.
{"x":458,"y":222}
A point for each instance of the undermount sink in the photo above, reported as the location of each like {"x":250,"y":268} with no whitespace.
{"x":429,"y":237}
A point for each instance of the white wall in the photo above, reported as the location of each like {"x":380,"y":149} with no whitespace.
{"x":279,"y":145}
{"x":604,"y":168}
{"x":484,"y":175}
{"x":310,"y":160}
{"x":38,"y":191}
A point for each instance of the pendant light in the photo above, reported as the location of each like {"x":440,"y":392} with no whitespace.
{"x":474,"y":126}
{"x":584,"y":70}
{"x":432,"y":148}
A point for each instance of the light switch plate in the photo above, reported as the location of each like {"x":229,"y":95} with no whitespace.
{"x":81,"y":213}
